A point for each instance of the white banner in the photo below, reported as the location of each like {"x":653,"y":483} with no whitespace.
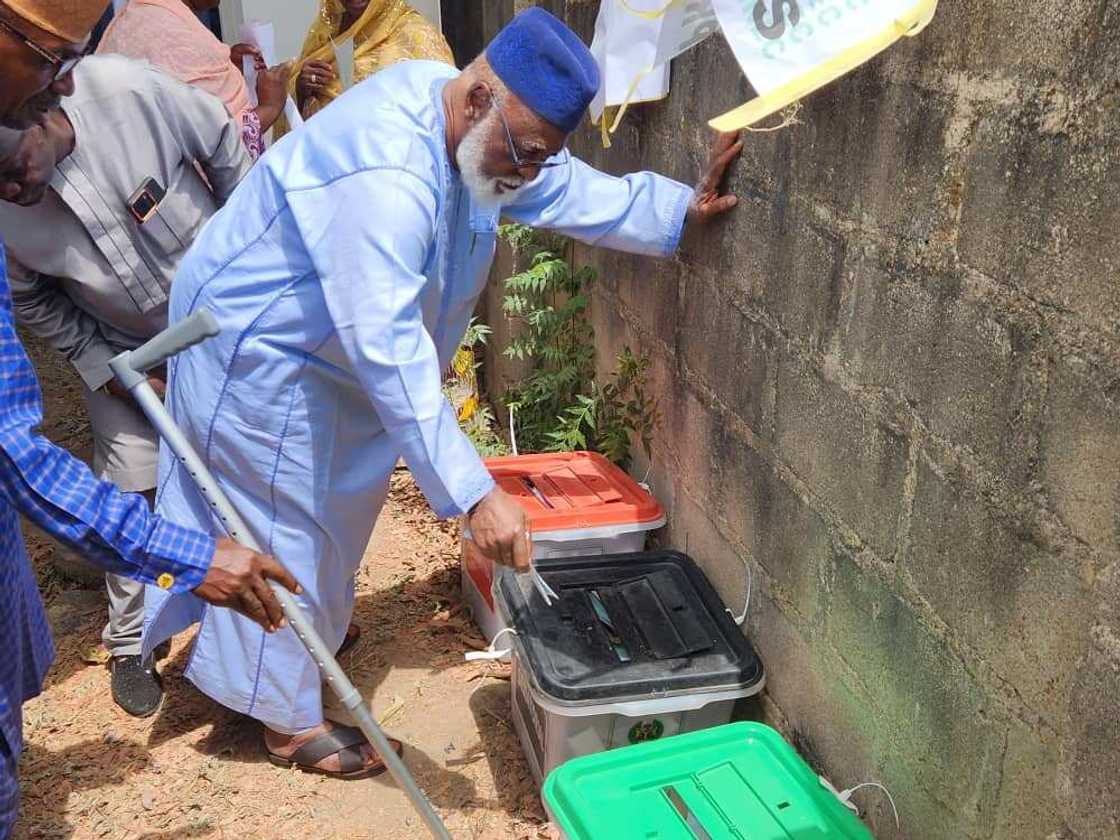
{"x":775,"y":41}
{"x":791,"y":47}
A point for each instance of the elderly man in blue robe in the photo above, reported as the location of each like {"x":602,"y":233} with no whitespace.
{"x":343,"y":271}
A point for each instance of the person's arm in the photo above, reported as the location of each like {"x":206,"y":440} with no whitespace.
{"x":272,"y":93}
{"x":205,"y":132}
{"x":642,"y":213}
{"x":314,"y":79}
{"x":47,"y":312}
{"x":115,"y":530}
{"x":370,"y":267}
{"x":57,"y":491}
{"x":31,"y":156}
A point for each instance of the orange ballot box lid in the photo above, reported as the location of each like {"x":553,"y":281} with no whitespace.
{"x":574,"y":491}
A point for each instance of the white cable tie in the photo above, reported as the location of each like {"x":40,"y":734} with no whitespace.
{"x":739,"y":619}
{"x":547,"y":593}
{"x":845,"y":796}
{"x":825,"y":783}
{"x":512,"y":433}
{"x":490,"y":654}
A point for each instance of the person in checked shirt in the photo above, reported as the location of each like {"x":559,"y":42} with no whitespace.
{"x":40,"y":43}
{"x":90,"y":274}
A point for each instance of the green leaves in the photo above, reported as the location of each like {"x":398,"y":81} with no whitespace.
{"x":558,"y":404}
{"x":519,"y":237}
{"x":477,"y":335}
{"x":481,"y":428}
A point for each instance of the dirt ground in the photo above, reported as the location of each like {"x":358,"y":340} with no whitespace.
{"x":197,"y":770}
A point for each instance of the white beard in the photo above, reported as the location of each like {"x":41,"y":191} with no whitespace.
{"x":470,"y":155}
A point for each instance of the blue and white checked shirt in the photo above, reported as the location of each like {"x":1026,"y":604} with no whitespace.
{"x":58,"y":493}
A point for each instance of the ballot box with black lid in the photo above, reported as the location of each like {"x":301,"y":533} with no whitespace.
{"x":638,"y":647}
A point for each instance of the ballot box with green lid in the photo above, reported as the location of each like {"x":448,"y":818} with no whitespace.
{"x":741,"y":781}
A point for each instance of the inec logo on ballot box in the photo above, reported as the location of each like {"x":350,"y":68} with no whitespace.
{"x":646,"y":730}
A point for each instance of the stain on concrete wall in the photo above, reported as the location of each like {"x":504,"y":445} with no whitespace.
{"x":891,"y":383}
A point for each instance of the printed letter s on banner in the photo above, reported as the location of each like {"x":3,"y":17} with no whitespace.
{"x":777,"y":27}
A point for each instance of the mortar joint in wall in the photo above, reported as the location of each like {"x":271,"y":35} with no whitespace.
{"x":763,"y":582}
{"x":975,"y":665}
{"x":897,"y":414}
{"x":909,"y":494}
{"x":635,"y":324}
{"x":895,"y":578}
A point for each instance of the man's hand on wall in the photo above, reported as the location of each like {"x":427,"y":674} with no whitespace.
{"x":707,"y":203}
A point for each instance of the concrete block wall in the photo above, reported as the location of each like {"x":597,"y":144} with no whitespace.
{"x":891,"y":384}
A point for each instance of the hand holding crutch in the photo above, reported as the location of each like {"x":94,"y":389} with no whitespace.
{"x":238,"y":579}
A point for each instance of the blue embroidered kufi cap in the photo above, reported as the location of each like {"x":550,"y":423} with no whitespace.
{"x":547,"y":66}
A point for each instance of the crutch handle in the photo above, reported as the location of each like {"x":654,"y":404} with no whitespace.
{"x":128,"y":367}
{"x":200,"y":326}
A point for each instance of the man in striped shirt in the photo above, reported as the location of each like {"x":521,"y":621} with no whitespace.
{"x":40,"y":42}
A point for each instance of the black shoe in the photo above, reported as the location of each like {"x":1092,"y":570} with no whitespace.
{"x":136,"y":689}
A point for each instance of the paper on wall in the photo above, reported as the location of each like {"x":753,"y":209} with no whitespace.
{"x":624,"y":47}
{"x":687,"y":23}
{"x":634,"y":47}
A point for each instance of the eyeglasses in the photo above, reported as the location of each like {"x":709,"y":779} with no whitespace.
{"x":518,"y":161}
{"x":62,"y":65}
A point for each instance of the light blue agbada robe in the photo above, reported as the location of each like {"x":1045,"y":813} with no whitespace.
{"x":343,"y":272}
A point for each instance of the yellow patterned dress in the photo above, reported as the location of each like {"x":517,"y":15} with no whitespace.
{"x":463,"y":384}
{"x":388,"y":31}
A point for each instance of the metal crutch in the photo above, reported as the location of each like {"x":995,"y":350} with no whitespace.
{"x":131,"y":369}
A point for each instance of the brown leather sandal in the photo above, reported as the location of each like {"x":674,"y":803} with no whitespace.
{"x":346,"y":742}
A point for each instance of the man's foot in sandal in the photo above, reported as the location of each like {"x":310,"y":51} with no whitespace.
{"x":330,"y":749}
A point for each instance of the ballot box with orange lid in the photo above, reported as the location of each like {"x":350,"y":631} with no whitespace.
{"x":579,"y":505}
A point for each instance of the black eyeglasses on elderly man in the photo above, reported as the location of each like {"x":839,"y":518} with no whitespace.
{"x":518,"y":160}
